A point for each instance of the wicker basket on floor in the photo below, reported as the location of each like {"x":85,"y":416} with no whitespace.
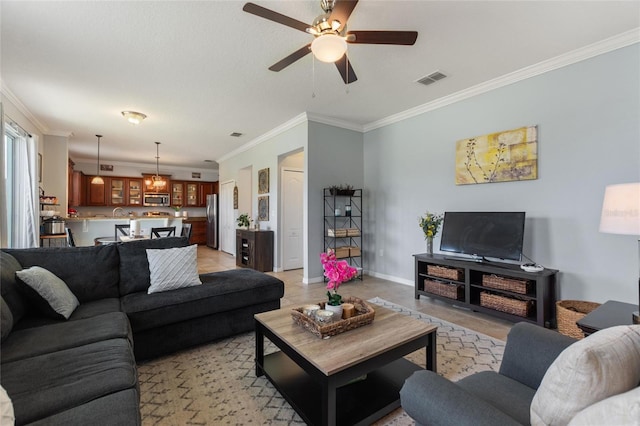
{"x":568,"y":312}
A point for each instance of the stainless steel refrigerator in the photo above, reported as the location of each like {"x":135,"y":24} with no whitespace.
{"x":212,"y":221}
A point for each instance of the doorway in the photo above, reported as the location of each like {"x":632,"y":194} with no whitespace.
{"x":292,"y":218}
{"x":227,"y":228}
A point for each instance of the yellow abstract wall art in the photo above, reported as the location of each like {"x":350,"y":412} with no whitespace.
{"x":498,"y":157}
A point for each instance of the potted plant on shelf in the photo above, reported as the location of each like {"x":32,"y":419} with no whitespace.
{"x":243,"y":221}
{"x":430,"y":225}
{"x":346,"y":190}
{"x":176,"y":210}
{"x":337,"y":271}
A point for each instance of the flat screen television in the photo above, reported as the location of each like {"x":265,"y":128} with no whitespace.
{"x":484,"y":234}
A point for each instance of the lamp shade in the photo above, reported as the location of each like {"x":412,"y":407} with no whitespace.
{"x":328,"y":47}
{"x":621,"y":209}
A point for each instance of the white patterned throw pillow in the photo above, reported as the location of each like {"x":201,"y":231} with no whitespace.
{"x":622,"y":409}
{"x":173,"y":268}
{"x":605,"y":364}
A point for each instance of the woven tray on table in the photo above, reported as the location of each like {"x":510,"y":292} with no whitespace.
{"x":364,"y":315}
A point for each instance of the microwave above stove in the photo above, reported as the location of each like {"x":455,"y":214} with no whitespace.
{"x":156,"y":200}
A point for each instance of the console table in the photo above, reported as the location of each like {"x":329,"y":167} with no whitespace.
{"x":254,"y":249}
{"x":468,"y":286}
{"x":609,"y":314}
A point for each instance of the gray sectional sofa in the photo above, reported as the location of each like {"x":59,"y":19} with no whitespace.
{"x":83,"y":370}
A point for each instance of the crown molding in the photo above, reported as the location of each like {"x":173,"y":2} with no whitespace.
{"x":298,"y":119}
{"x":23,"y":109}
{"x":144,"y":167}
{"x":335,"y":122}
{"x":62,"y":133}
{"x":604,"y":46}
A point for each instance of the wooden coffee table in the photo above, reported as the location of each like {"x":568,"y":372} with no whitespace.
{"x":352,"y":378}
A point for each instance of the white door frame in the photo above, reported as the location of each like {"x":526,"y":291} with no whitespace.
{"x":225,"y":214}
{"x":282,"y":209}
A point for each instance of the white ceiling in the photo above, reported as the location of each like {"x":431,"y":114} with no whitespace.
{"x":199,"y":69}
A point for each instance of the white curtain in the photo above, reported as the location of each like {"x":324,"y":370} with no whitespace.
{"x":21,"y":188}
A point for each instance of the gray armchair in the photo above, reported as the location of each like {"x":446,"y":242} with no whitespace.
{"x":487,"y":398}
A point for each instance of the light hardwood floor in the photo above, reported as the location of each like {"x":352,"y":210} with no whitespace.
{"x":296,"y":293}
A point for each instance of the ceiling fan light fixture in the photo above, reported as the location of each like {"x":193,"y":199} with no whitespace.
{"x":134,"y":117}
{"x":329,"y":47}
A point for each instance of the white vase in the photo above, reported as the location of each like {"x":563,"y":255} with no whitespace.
{"x":177,"y":214}
{"x":337,"y":311}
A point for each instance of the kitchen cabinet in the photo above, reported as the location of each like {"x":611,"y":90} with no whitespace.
{"x":198,"y":229}
{"x":195,"y":193}
{"x":206,"y":188}
{"x":134,"y":194}
{"x":118,"y":189}
{"x":192,"y":194}
{"x":177,"y":193}
{"x":75,"y":186}
{"x":77,"y":189}
{"x":97,"y":194}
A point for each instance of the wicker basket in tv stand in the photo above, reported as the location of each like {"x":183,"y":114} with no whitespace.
{"x":467,"y":286}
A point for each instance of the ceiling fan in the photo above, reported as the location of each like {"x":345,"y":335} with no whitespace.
{"x":331,"y":35}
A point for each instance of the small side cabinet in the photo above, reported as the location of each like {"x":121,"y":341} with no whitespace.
{"x":254,"y":249}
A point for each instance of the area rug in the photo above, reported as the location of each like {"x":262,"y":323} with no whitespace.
{"x":215,"y":384}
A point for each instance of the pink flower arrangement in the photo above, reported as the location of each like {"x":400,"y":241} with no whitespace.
{"x":337,"y":271}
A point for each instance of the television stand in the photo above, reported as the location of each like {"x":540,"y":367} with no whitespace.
{"x":499,"y":289}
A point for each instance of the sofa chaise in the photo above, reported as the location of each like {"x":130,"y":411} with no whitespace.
{"x":545,"y":379}
{"x":82,"y":370}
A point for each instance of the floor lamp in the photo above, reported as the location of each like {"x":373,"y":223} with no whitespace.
{"x":621,"y":215}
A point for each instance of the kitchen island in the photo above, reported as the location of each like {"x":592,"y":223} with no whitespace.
{"x":86,"y":229}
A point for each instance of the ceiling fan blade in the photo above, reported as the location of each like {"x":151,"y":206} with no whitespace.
{"x":300,"y":53}
{"x":275,"y":16}
{"x":406,"y":38}
{"x":343,"y":64}
{"x":342,"y":10}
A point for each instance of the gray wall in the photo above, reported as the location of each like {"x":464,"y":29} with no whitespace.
{"x":334,"y":158}
{"x":264,"y":155}
{"x":589,"y":136}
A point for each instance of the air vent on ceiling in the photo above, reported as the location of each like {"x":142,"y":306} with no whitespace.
{"x":236,"y":134}
{"x":431,"y":78}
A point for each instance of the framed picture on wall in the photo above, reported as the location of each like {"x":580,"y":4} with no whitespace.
{"x":235,"y":198}
{"x":263,"y":181}
{"x":39,"y":167}
{"x":263,"y":208}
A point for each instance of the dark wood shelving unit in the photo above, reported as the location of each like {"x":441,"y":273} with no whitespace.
{"x":541,"y":293}
{"x":254,"y":249}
